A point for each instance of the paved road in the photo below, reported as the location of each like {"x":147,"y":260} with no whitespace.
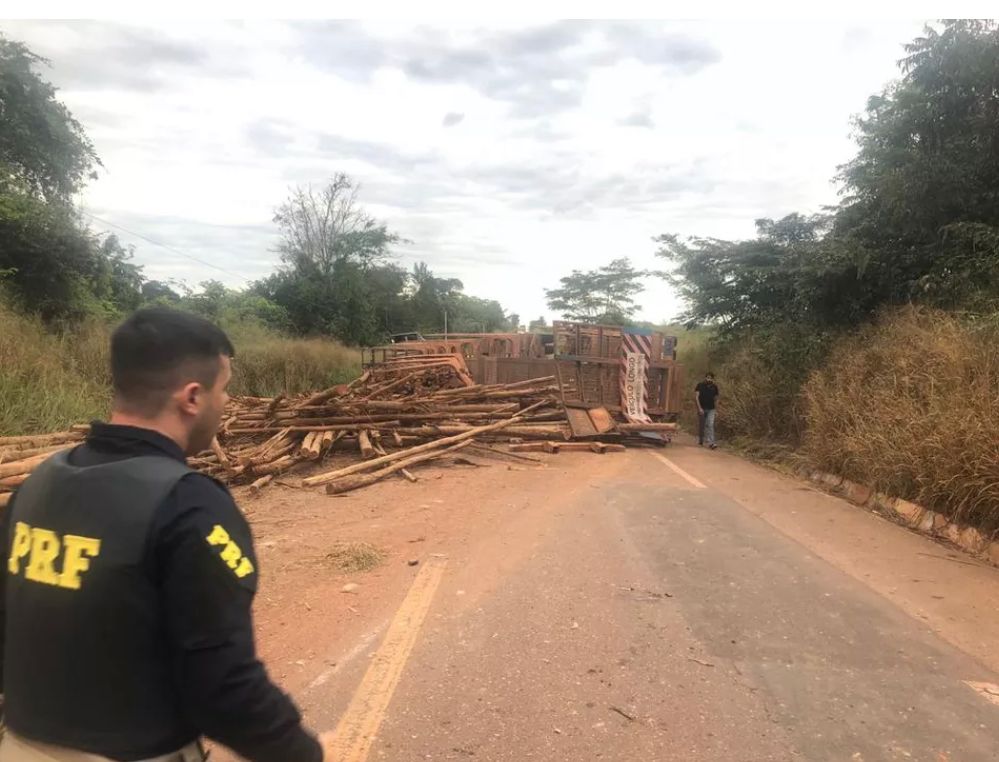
{"x":651,"y":619}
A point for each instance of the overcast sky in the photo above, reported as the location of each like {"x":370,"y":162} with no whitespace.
{"x":508,"y":155}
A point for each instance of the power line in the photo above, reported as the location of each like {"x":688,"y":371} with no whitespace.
{"x":165,"y":246}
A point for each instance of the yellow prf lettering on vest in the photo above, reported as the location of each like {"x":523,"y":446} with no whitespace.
{"x":79,"y":551}
{"x":231,"y":552}
{"x":42,"y":548}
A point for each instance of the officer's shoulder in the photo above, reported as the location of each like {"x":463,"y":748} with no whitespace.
{"x":202,"y":493}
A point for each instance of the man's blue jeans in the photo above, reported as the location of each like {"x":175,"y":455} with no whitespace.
{"x":706,"y":433}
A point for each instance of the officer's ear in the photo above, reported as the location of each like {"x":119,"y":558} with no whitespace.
{"x":189,"y":397}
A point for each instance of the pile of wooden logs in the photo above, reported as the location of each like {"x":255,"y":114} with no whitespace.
{"x":20,"y":455}
{"x":396,"y":415}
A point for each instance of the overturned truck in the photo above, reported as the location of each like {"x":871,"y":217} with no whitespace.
{"x":610,"y":379}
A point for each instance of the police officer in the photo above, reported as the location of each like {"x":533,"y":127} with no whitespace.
{"x":127,"y":631}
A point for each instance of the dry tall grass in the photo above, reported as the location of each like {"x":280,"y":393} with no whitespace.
{"x":693,"y":353}
{"x":50,"y":380}
{"x":911,"y":406}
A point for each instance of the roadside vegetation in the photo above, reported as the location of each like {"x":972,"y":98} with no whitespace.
{"x":51,"y":378}
{"x":863,"y":338}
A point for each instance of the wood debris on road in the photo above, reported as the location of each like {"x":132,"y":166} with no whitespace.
{"x":396,"y":414}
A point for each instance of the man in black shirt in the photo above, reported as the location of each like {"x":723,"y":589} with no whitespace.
{"x":125,"y":604}
{"x":706,"y":396}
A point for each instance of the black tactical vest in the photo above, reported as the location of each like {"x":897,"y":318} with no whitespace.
{"x":86,"y":660}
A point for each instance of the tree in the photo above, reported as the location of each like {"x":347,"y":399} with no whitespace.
{"x":919,"y":220}
{"x":540,"y":325}
{"x":470,"y":314}
{"x":430,"y":297}
{"x":55,"y":265}
{"x":159,"y":292}
{"x":604,"y":295}
{"x":43,"y":149}
{"x":790,"y":272}
{"x":922,"y":193}
{"x":332,"y":251}
{"x":59,"y":269}
{"x":324,"y":229}
{"x":233,"y":308}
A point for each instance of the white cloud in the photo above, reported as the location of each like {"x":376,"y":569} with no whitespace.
{"x":509,"y":156}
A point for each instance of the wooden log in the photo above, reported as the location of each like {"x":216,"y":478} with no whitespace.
{"x":251,"y":463}
{"x":277,"y":466}
{"x":492,"y":452}
{"x":272,"y":407}
{"x":363,"y":420}
{"x":260,"y":483}
{"x":25,"y":466}
{"x":11,"y":482}
{"x":385,"y":388}
{"x":350,"y":482}
{"x":276,"y":442}
{"x":602,"y":447}
{"x":466,"y":391}
{"x":327,"y":438}
{"x":631,"y":427}
{"x":503,"y":407}
{"x":402,"y":472}
{"x":574,"y":446}
{"x":325,"y":427}
{"x":528,"y":447}
{"x":527,"y":432}
{"x":364,"y":445}
{"x":330,"y":476}
{"x":311,"y":442}
{"x":320,"y":397}
{"x":556,"y":432}
{"x":545,"y":417}
{"x":507,"y":394}
{"x":541,"y":381}
{"x":15,"y":453}
{"x":42,"y":440}
{"x":220,"y":453}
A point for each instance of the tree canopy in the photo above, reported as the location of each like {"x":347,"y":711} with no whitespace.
{"x":339,"y":275}
{"x":604,"y":295}
{"x":44,"y":151}
{"x":919,"y":220}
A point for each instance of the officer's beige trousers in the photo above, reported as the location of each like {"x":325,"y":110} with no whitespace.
{"x":16,"y":749}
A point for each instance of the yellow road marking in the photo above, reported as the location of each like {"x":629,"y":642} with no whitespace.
{"x":679,"y":470}
{"x":356,"y":732}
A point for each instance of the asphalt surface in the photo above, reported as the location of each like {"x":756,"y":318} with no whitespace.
{"x":642,"y":618}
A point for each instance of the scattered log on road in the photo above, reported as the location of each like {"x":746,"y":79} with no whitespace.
{"x":353,"y":481}
{"x":397,"y":410}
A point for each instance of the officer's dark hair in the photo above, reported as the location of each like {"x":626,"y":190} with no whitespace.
{"x":710,"y":375}
{"x":157,"y":350}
